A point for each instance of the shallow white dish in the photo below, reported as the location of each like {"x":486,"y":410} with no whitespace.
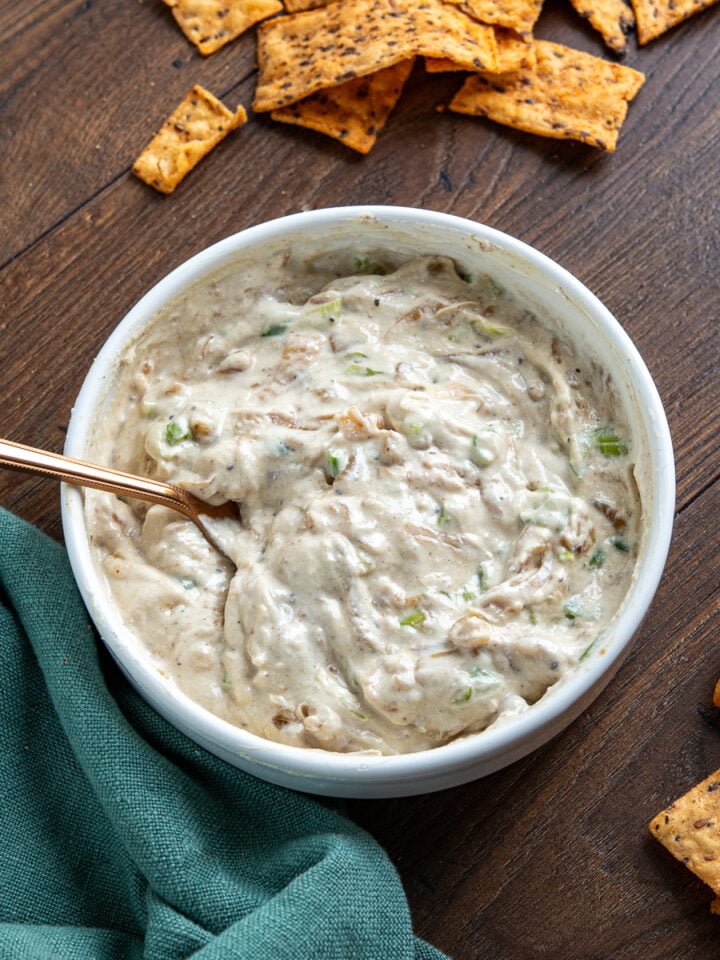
{"x":552,"y":291}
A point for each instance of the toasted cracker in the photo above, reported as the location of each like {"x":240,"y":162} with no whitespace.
{"x":690,"y":829}
{"x":655,"y":17}
{"x":513,"y":53}
{"x":210,"y":24}
{"x":354,"y":112}
{"x":196,"y":125}
{"x":613,"y":19}
{"x":305,"y":52}
{"x":518,"y":15}
{"x":716,"y":695}
{"x":297,"y":6}
{"x":568,"y":94}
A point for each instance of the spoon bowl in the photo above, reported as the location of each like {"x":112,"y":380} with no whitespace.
{"x":18,"y":456}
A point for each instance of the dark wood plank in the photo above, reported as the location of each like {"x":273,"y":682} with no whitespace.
{"x":87,"y":84}
{"x":550,"y":857}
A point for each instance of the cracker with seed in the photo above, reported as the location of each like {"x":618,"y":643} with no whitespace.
{"x":296,"y":6}
{"x":302,"y":53}
{"x":690,"y":829}
{"x":568,"y":94}
{"x":196,"y":125}
{"x":354,"y":112}
{"x":210,"y":24}
{"x":613,"y":19}
{"x":518,"y":15}
{"x":513,"y":53}
{"x":655,"y":17}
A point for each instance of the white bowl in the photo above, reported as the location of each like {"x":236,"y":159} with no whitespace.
{"x":551,"y":289}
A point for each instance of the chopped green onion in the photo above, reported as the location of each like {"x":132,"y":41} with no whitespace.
{"x":187,"y":583}
{"x":274,"y":330}
{"x":480,"y":454}
{"x":573,"y":608}
{"x":335,"y":464}
{"x":586,"y":652}
{"x":367,"y":266}
{"x":597,"y":558}
{"x":468,"y":595}
{"x":622,"y":545}
{"x":329,"y":311}
{"x":443,"y":518}
{"x":609,"y":443}
{"x":483,"y":325}
{"x":176,"y":431}
{"x":415,"y":619}
{"x":464,"y":696}
{"x":362,"y":370}
{"x":484,"y":676}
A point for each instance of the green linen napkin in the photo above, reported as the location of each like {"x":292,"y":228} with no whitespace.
{"x":120,"y":838}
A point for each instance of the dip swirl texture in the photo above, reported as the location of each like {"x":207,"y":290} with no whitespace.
{"x":439,"y":511}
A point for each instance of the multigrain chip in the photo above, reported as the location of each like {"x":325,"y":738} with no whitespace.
{"x":512,"y":53}
{"x":210,"y":24}
{"x":192,"y":130}
{"x":305,"y":52}
{"x":655,"y":17}
{"x":567,"y":94}
{"x":519,"y":15}
{"x":690,"y":830}
{"x":613,"y":19}
{"x":296,"y":6}
{"x":354,"y":112}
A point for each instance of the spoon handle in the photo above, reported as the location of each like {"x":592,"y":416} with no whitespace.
{"x":18,"y":456}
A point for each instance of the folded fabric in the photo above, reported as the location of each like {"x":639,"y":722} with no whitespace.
{"x":120,"y":838}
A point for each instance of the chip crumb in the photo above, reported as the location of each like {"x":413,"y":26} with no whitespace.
{"x":690,"y":829}
{"x":210,"y":24}
{"x":567,"y":94}
{"x":196,"y":125}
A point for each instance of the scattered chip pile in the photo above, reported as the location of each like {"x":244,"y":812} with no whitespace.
{"x":340,"y":67}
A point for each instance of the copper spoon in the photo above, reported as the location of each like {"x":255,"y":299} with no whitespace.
{"x":17,"y":456}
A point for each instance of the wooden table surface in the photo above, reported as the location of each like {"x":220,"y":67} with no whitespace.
{"x":550,"y":857}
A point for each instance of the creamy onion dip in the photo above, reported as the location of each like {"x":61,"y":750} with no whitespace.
{"x":439,"y":514}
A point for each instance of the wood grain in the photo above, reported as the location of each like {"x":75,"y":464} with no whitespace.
{"x":550,"y":857}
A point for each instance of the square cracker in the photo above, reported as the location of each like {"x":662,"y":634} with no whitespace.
{"x":210,"y":24}
{"x":196,"y":125}
{"x":568,"y":94}
{"x":302,"y":53}
{"x":613,"y":19}
{"x":655,"y":17}
{"x":354,"y":112}
{"x":690,"y":829}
